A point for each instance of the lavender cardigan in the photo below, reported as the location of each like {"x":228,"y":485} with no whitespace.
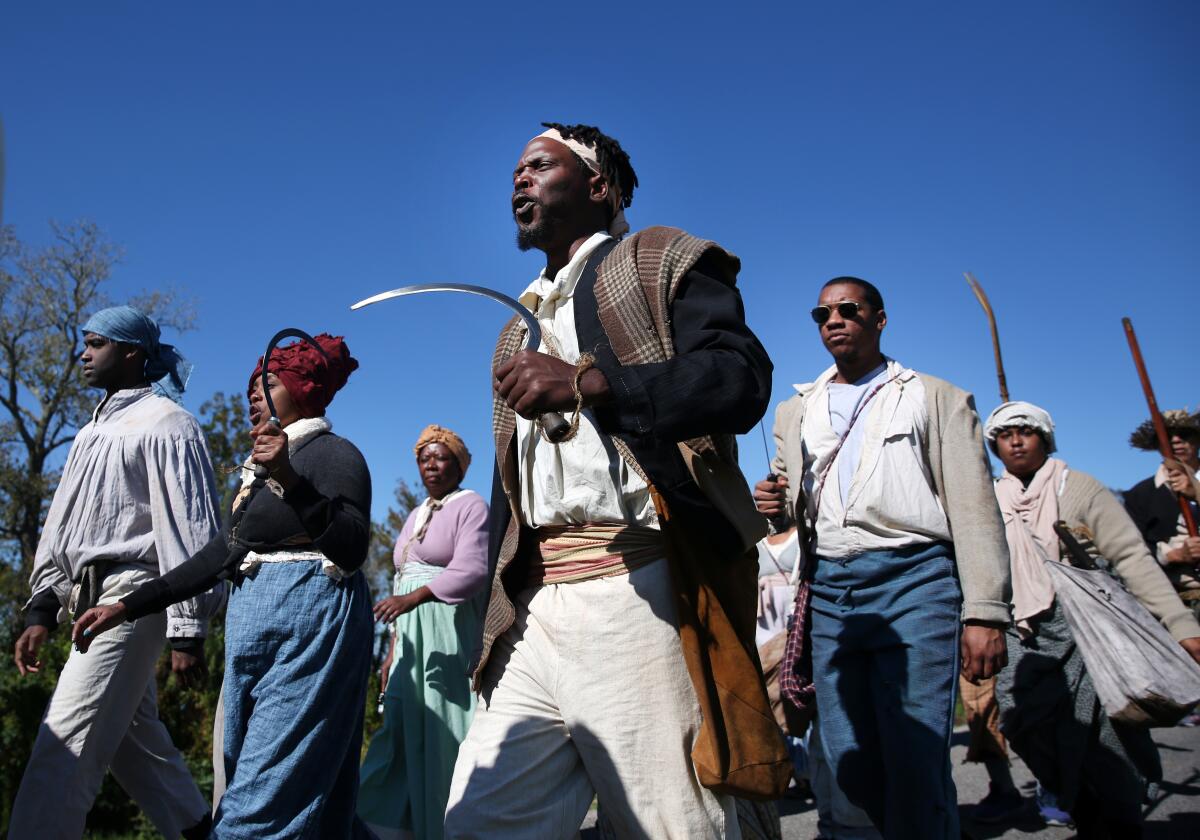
{"x":456,"y":540}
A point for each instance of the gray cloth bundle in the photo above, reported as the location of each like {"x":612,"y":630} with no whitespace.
{"x":1142,"y":676}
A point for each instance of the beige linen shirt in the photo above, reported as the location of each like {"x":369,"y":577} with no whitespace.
{"x":891,"y":502}
{"x":958,"y":471}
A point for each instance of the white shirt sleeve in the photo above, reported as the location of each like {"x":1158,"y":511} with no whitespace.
{"x":183,"y":506}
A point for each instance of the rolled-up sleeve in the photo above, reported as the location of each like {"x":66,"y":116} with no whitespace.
{"x":183,"y":505}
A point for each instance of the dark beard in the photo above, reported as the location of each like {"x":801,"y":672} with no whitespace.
{"x":536,"y":236}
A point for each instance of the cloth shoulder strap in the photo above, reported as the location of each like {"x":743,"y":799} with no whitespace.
{"x":635,"y":286}
{"x":1062,"y":485}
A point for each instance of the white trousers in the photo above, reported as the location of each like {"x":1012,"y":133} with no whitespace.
{"x":102,"y":716}
{"x":587,"y":695}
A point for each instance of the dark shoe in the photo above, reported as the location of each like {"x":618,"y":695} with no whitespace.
{"x":998,"y":806}
{"x":200,"y":830}
{"x":800,"y":789}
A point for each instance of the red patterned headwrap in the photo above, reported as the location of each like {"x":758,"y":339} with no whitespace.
{"x":310,"y":380}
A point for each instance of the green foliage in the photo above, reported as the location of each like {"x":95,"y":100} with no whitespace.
{"x":226,"y":425}
{"x":378,"y":567}
{"x":22,"y":702}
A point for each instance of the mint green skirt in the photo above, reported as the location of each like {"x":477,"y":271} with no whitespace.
{"x":405,"y":778}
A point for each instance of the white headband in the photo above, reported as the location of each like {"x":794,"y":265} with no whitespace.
{"x":1011,"y":414}
{"x":618,"y":227}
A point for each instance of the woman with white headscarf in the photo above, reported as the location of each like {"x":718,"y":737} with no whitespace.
{"x":1049,"y":710}
{"x":441,"y":566}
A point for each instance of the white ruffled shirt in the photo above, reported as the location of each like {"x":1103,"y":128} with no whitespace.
{"x":137,"y":488}
{"x":584,"y":479}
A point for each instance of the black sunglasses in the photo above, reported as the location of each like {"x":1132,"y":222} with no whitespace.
{"x":845,"y":308}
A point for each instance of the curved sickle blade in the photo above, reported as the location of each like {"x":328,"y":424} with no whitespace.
{"x":531,"y":325}
{"x":553,"y":423}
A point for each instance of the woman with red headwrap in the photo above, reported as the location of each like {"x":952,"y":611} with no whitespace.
{"x":299,"y":627}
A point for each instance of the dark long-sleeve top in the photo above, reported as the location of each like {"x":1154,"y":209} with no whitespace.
{"x":719,"y":381}
{"x":327,"y":509}
{"x":1153,"y":508}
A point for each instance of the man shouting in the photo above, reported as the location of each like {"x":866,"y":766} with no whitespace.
{"x":618,"y":653}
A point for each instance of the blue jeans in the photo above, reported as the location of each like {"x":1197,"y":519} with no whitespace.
{"x":885,"y":634}
{"x":297,"y":658}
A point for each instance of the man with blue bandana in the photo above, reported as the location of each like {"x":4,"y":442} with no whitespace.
{"x":136,"y":499}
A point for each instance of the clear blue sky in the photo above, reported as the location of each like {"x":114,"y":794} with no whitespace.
{"x":280,"y":161}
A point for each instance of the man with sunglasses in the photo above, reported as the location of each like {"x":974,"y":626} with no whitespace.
{"x":885,"y":472}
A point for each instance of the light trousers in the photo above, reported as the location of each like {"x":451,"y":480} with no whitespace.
{"x":587,"y":694}
{"x":102,"y":716}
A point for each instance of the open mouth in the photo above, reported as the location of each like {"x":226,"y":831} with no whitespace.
{"x":523,"y":207}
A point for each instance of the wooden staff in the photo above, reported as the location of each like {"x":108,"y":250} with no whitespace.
{"x":1160,"y":427}
{"x":987,"y":308}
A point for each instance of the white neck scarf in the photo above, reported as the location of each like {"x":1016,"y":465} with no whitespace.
{"x":298,"y":432}
{"x":1029,"y":515}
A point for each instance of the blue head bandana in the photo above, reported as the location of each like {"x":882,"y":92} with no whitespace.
{"x":165,"y":367}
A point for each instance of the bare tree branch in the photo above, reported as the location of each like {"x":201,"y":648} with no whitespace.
{"x":46,"y":294}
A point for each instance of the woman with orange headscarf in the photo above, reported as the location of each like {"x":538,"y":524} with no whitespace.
{"x":441,"y":566}
{"x":298,"y":628}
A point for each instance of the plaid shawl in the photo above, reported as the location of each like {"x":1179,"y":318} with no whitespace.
{"x":635,"y":286}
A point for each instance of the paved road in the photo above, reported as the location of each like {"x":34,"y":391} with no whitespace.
{"x":1174,"y":813}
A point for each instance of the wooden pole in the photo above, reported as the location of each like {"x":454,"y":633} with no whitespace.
{"x":1160,"y":426}
{"x":987,"y":308}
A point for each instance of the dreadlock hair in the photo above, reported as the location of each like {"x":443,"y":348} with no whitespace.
{"x":614,"y":162}
{"x":870,"y":293}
